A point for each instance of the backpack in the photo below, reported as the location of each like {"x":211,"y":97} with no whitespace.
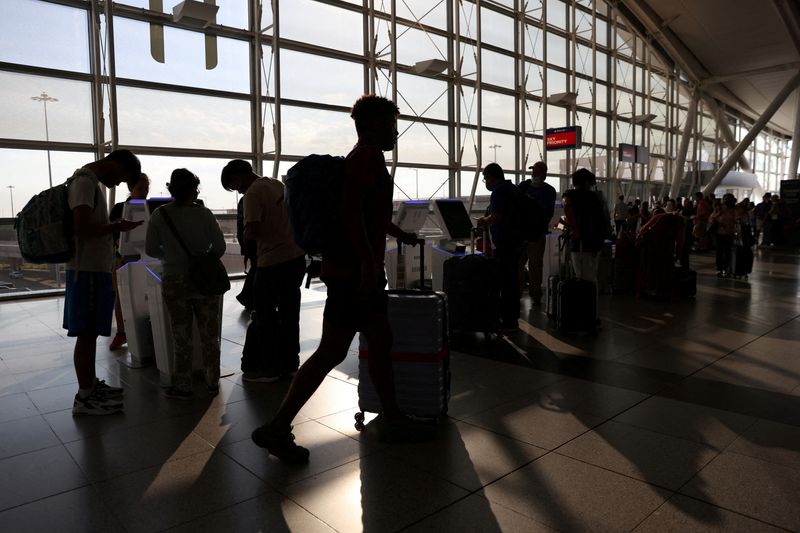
{"x":530,"y":218}
{"x":45,"y":232}
{"x":313,"y":190}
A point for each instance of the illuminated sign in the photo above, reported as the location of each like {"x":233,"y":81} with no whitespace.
{"x":562,"y":138}
{"x":627,"y":153}
{"x":631,"y":153}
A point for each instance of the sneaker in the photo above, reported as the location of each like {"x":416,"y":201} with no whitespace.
{"x":119,"y":340}
{"x":178,"y":394}
{"x":96,"y":404}
{"x":404,"y":428}
{"x":280,"y":444}
{"x":260,"y":377}
{"x":101,"y":387}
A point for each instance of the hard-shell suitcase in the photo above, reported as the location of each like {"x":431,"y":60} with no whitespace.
{"x":472,"y":285}
{"x":741,"y":261}
{"x":575,"y":303}
{"x":473,"y":293}
{"x":420,"y":355}
{"x":551,"y":306}
{"x":577,"y":306}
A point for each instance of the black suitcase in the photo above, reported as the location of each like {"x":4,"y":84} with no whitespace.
{"x":572,"y":302}
{"x":577,"y":306}
{"x":420,"y":355}
{"x":742,"y":261}
{"x":473,"y":293}
{"x":685,"y":282}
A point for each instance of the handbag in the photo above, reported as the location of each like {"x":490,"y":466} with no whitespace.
{"x":207,"y":274}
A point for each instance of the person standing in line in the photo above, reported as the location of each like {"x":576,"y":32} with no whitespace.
{"x":545,"y":196}
{"x":761,"y":215}
{"x":503,"y":221}
{"x":724,"y":220}
{"x":272,"y":345}
{"x":356,"y":282}
{"x":173,"y":226}
{"x":89,"y":294}
{"x":703,"y":212}
{"x":138,"y":192}
{"x":620,"y":214}
{"x":587,"y":225}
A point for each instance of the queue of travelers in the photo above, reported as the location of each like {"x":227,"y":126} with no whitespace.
{"x":649,"y":243}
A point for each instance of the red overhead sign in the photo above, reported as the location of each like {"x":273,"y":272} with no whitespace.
{"x":562,"y":138}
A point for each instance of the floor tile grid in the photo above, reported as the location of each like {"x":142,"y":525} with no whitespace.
{"x":679,"y":493}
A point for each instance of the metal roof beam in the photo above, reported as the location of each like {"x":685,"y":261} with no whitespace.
{"x":789,"y":11}
{"x":748,"y":73}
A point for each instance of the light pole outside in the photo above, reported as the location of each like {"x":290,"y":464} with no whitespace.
{"x":11,"y":193}
{"x":44,"y":98}
{"x":495,"y":147}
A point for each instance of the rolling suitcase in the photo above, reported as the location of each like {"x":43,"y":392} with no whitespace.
{"x":551,"y":306}
{"x":420,"y":355}
{"x":473,"y":293}
{"x":575,"y":304}
{"x":742,"y":261}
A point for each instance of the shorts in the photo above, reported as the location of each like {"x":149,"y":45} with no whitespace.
{"x":345,"y":309}
{"x":89,"y":303}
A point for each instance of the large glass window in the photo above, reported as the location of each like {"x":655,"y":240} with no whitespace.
{"x":315,"y":131}
{"x":44,"y":35}
{"x":341,"y":83}
{"x":165,"y":119}
{"x":232,"y":13}
{"x":68,"y":105}
{"x":322,"y":24}
{"x":184,"y":58}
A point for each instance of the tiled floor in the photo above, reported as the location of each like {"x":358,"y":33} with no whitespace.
{"x":680,"y":416}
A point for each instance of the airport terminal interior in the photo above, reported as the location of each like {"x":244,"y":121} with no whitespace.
{"x":679,"y":413}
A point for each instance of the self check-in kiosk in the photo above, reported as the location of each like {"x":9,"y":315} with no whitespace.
{"x":144,"y":312}
{"x":402,"y":264}
{"x":452,"y":217}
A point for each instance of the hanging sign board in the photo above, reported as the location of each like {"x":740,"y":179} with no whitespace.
{"x":627,"y":153}
{"x":642,"y":155}
{"x":562,"y":138}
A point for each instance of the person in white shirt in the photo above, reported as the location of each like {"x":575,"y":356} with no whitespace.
{"x":89,"y":295}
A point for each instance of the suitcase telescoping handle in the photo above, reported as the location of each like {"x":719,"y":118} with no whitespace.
{"x":421,"y":244}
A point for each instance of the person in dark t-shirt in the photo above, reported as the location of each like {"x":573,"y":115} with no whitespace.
{"x":357,"y":298}
{"x":503,"y":221}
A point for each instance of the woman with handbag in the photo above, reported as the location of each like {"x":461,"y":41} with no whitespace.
{"x":188,"y":240}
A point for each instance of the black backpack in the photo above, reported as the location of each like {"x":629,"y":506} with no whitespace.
{"x":530,"y":217}
{"x":313,"y":193}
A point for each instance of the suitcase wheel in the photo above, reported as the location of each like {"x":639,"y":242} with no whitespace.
{"x":359,"y":425}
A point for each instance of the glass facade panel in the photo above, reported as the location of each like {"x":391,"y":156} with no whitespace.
{"x":331,"y":27}
{"x":184,"y":58}
{"x":342,"y":80}
{"x":316,"y":131}
{"x":165,"y":119}
{"x":498,"y":69}
{"x":64,"y":46}
{"x":69,"y":116}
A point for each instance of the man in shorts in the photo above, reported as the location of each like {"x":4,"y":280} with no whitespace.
{"x":272,"y":345}
{"x":89,"y":301}
{"x":357,"y":299}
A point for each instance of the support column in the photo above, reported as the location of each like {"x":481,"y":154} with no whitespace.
{"x":791,"y":171}
{"x":479,"y":88}
{"x":680,"y":163}
{"x":725,"y":129}
{"x":755,"y":130}
{"x":276,"y":75}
